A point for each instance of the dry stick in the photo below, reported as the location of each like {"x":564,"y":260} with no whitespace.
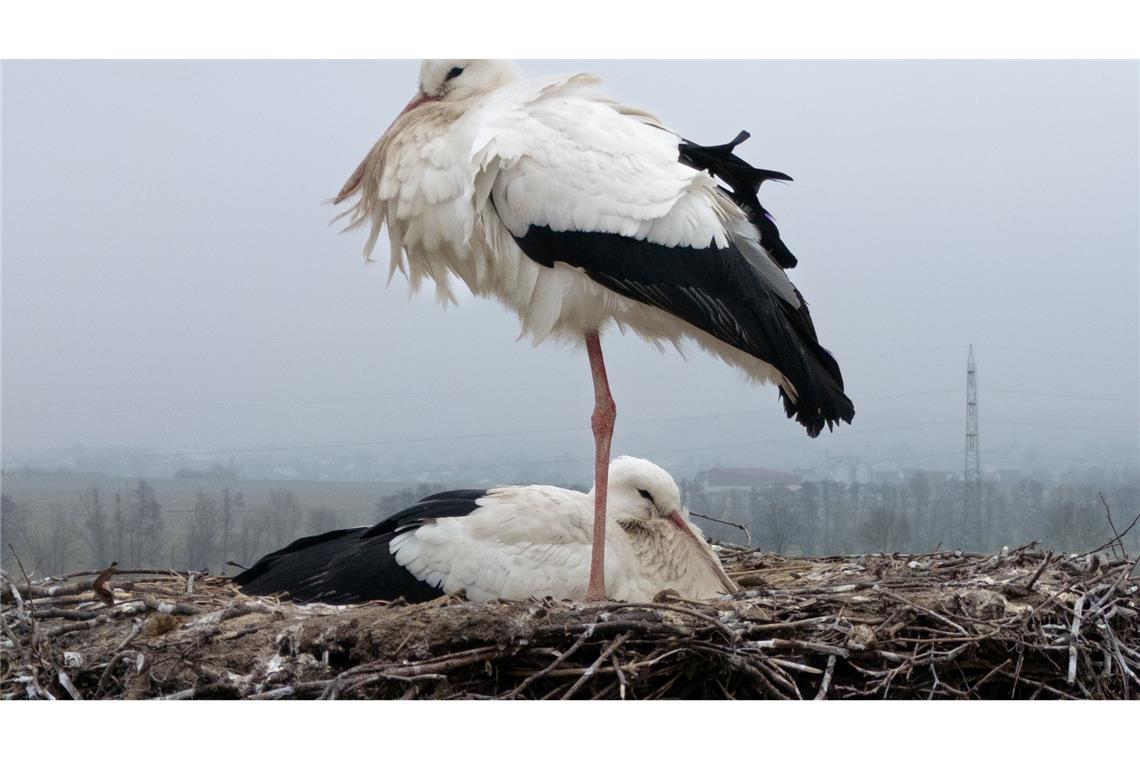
{"x":620,"y":674}
{"x":1111,"y":524}
{"x":98,"y":586}
{"x":1074,"y":636}
{"x":766,"y":685}
{"x":777,"y":674}
{"x":558,"y":661}
{"x":69,"y":687}
{"x":759,"y":627}
{"x":811,"y":646}
{"x":376,"y":678}
{"x":932,"y":613}
{"x":1040,"y":569}
{"x":826,"y":682}
{"x":732,"y":636}
{"x":1040,"y":685}
{"x":131,"y":571}
{"x":601,"y":658}
{"x":747,"y":533}
{"x":105,"y":678}
{"x":1119,"y":536}
{"x":430,"y":669}
{"x":34,"y":640}
{"x":19,"y":599}
{"x":128,"y":608}
{"x":796,"y":665}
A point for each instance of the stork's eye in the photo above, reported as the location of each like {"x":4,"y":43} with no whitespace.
{"x":455,"y":71}
{"x":646,"y":495}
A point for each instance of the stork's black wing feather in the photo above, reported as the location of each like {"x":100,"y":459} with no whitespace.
{"x":717,"y":291}
{"x":354,"y":564}
{"x":744,"y":181}
{"x":443,"y":504}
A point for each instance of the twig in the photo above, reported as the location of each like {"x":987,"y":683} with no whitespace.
{"x":98,"y":586}
{"x":1074,"y":637}
{"x":920,"y":608}
{"x":1040,"y":569}
{"x":825,"y":684}
{"x":69,"y":687}
{"x":747,"y":533}
{"x":617,"y":642}
{"x":557,"y":661}
{"x":1112,"y":525}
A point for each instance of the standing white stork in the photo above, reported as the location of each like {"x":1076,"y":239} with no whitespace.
{"x":510,"y":542}
{"x":576,"y":212}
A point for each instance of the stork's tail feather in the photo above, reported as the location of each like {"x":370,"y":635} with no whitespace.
{"x":354,"y":564}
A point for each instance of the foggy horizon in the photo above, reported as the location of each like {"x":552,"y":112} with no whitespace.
{"x":171,"y":281}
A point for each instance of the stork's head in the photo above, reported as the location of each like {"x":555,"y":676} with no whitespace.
{"x":640,"y":490}
{"x":446,"y":81}
{"x":458,"y":79}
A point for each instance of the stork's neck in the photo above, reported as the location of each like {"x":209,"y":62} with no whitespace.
{"x":671,"y":558}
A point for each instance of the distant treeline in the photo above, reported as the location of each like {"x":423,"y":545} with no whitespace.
{"x":134,"y":529}
{"x":815,"y":518}
{"x":916,"y":515}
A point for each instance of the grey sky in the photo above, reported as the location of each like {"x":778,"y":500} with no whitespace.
{"x":170,"y":278}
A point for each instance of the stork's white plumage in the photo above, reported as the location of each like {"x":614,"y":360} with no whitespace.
{"x":511,"y":542}
{"x":578,"y":212}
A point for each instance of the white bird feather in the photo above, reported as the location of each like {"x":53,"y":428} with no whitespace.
{"x":511,"y":542}
{"x":456,"y":181}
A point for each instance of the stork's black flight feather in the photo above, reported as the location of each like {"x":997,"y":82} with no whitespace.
{"x":716,"y":290}
{"x":743,"y":180}
{"x":354,"y":564}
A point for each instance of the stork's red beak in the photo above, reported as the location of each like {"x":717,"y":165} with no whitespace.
{"x":679,"y":521}
{"x":353,"y":182}
{"x":416,"y":102}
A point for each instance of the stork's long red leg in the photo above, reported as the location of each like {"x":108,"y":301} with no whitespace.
{"x":602,"y":422}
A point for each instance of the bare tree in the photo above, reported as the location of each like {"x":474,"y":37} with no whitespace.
{"x":920,"y":491}
{"x":202,"y":536}
{"x":13,"y":528}
{"x":96,"y":528}
{"x":1075,"y":526}
{"x":780,"y":526}
{"x":119,"y":540}
{"x":52,"y":542}
{"x":251,"y":535}
{"x":282,"y":515}
{"x":227,"y":522}
{"x":807,"y":506}
{"x":146,"y":527}
{"x":885,"y":529}
{"x":321,"y":520}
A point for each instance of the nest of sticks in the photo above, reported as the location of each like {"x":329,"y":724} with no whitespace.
{"x":1021,"y":624}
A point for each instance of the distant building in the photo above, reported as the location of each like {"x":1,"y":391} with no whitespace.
{"x":744,"y":478}
{"x":848,"y":471}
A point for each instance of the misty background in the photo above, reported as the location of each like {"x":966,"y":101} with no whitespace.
{"x":177,"y":307}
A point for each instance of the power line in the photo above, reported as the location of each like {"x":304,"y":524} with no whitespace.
{"x":361,"y":400}
{"x":504,"y":434}
{"x":1017,"y":392}
{"x":1060,"y":427}
{"x":685,"y":450}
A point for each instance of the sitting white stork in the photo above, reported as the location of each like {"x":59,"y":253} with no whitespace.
{"x":510,"y":542}
{"x":577,"y":212}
